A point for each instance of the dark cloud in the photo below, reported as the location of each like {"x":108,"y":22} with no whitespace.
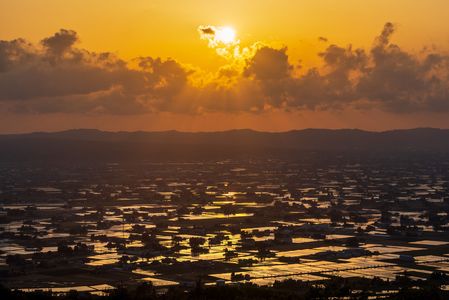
{"x":386,"y":77}
{"x":384,"y":38}
{"x":269,"y":63}
{"x":56,"y":76}
{"x":29,"y":73}
{"x":322,"y":39}
{"x":207,"y":30}
{"x":62,"y":78}
{"x":14,"y":53}
{"x":399,"y":81}
{"x":60,"y":42}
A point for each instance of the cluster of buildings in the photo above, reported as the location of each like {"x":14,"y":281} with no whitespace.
{"x":255,"y":220}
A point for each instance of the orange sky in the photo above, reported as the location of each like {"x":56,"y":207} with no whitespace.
{"x":167,"y":28}
{"x":192,"y":96}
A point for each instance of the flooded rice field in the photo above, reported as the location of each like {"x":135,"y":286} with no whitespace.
{"x":232,"y":221}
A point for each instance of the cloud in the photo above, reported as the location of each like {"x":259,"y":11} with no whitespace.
{"x":57,"y":76}
{"x":385,"y":77}
{"x":323,"y":39}
{"x":207,"y":30}
{"x":398,"y":81}
{"x":60,"y":42}
{"x":61,"y":78}
{"x":269,"y":63}
{"x":384,"y":38}
{"x":14,"y":53}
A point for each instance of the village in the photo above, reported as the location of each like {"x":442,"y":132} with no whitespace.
{"x":222,"y":222}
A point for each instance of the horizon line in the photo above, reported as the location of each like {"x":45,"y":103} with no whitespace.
{"x":220,"y":131}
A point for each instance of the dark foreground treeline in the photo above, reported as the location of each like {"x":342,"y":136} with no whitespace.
{"x":337,"y":288}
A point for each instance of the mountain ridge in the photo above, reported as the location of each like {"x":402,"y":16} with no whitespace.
{"x":97,"y":144}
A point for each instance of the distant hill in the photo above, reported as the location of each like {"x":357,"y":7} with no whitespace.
{"x":95,"y":144}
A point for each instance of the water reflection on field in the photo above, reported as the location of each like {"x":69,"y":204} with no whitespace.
{"x":257,"y":221}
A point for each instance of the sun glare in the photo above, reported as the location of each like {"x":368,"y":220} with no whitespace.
{"x":226,"y":35}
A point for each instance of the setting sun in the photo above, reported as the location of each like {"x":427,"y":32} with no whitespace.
{"x":225,"y":35}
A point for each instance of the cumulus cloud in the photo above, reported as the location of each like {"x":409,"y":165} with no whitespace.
{"x":269,"y":63}
{"x":385,"y":77}
{"x":60,"y":42}
{"x":57,"y":76}
{"x":14,"y":54}
{"x":399,"y":81}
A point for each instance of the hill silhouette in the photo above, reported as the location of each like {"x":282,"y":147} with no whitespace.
{"x":102,"y":145}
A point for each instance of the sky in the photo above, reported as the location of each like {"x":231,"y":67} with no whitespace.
{"x":217,"y":65}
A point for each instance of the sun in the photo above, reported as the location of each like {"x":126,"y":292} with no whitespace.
{"x":221,"y":38}
{"x":225,"y":35}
